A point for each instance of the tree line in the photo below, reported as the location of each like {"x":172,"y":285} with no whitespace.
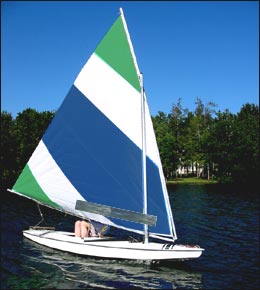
{"x":19,"y":138}
{"x":209,"y":143}
{"x":206,"y":143}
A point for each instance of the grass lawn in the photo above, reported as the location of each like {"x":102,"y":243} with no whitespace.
{"x":191,"y":180}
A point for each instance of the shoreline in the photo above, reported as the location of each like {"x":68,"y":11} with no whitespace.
{"x":191,"y":180}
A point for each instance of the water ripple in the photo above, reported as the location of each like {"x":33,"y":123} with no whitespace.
{"x":225,"y":223}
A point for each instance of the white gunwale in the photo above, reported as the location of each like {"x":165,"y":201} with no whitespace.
{"x":110,"y":248}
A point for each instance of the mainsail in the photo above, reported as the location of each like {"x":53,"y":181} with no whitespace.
{"x":92,"y":150}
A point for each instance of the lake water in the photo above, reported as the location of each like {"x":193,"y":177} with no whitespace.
{"x":221,"y":220}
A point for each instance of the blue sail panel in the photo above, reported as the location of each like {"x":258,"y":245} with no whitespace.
{"x":101,"y":162}
{"x":92,"y":149}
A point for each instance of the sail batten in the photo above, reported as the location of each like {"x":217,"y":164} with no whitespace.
{"x":92,"y":150}
{"x":117,"y":213}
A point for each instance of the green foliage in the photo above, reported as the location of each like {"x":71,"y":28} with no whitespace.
{"x":224,"y":145}
{"x":191,"y":180}
{"x":8,"y":148}
{"x":165,"y":140}
{"x":246,"y":131}
{"x":30,"y":125}
{"x":219,"y":144}
{"x":19,"y":138}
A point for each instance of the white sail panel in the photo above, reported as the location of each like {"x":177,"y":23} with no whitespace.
{"x":116,"y":98}
{"x":152,"y":150}
{"x":92,"y":149}
{"x":51,"y":179}
{"x":120,"y":102}
{"x":56,"y":185}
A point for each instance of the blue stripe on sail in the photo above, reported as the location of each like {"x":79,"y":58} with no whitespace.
{"x":101,"y":162}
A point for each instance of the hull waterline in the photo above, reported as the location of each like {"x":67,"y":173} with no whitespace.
{"x":111,"y":248}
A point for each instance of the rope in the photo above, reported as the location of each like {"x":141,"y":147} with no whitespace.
{"x":42,"y":220}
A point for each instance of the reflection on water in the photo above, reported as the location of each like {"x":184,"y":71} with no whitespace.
{"x":45,"y":267}
{"x":223,"y":222}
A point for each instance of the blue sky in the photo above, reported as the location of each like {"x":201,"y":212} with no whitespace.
{"x":207,"y":49}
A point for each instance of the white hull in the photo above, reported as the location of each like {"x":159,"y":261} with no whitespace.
{"x":110,"y":248}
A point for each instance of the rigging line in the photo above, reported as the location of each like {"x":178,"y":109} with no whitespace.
{"x":42,"y":220}
{"x":43,"y":204}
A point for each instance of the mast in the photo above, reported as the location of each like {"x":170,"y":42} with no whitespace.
{"x":144,"y":179}
{"x":140,"y":75}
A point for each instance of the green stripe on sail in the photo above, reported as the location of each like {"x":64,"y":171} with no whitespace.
{"x":114,"y":49}
{"x":27,"y":185}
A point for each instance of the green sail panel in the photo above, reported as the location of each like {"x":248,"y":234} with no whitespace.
{"x":27,"y":185}
{"x":114,"y":49}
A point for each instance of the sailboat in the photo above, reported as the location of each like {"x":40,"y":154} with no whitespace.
{"x":99,"y":160}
